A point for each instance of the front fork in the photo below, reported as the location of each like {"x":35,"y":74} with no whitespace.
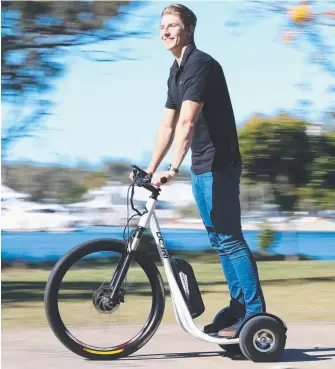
{"x":123,"y":265}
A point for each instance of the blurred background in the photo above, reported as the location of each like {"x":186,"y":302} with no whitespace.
{"x":83,"y":90}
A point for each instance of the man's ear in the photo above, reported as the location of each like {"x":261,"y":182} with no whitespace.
{"x":190,"y":30}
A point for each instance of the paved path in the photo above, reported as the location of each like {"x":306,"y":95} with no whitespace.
{"x":309,"y":345}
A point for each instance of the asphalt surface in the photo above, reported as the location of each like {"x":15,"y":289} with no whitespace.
{"x":309,"y":345}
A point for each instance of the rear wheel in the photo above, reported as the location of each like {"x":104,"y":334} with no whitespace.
{"x":79,"y":310}
{"x":262,"y":339}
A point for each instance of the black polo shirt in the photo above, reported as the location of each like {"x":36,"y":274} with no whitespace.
{"x":201,"y":78}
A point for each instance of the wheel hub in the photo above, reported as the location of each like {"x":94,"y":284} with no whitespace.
{"x":264,"y":340}
{"x":102,"y":301}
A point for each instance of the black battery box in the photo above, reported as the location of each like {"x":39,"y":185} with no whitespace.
{"x":188,"y":285}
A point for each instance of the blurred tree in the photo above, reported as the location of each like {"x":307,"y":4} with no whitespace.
{"x":71,"y":194}
{"x":35,"y":36}
{"x":266,"y":238}
{"x":95,"y":179}
{"x":301,"y":21}
{"x":313,"y":198}
{"x":306,"y":26}
{"x":322,"y":179}
{"x":41,"y":188}
{"x":48,"y":183}
{"x":323,"y":168}
{"x":118,"y":170}
{"x":277,"y":151}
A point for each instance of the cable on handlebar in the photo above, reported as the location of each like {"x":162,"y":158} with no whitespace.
{"x":138,"y":213}
{"x":131,"y":200}
{"x":141,"y":179}
{"x":138,"y":180}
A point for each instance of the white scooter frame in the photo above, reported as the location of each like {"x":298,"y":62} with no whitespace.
{"x":182,"y":314}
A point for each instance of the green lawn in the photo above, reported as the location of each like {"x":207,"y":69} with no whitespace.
{"x":294,"y":290}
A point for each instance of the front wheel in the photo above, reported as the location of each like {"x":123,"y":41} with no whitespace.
{"x":80,"y":313}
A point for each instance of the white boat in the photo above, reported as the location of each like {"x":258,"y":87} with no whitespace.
{"x":32,"y":217}
{"x":20,"y":215}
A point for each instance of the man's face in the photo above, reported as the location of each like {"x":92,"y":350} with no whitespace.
{"x":172,"y":32}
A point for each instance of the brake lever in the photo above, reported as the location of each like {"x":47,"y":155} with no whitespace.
{"x":141,"y":178}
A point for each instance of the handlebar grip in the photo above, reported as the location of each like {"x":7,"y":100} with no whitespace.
{"x":163,"y":180}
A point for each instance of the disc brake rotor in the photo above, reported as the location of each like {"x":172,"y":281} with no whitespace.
{"x":102,"y":301}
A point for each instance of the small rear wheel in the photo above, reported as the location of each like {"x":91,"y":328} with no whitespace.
{"x":262,"y":339}
{"x":79,"y":309}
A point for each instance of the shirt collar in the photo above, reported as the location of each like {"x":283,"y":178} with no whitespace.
{"x":189,"y":48}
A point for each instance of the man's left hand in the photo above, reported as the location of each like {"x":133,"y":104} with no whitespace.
{"x":156,"y":178}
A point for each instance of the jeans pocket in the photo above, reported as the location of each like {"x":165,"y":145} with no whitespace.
{"x":205,"y":175}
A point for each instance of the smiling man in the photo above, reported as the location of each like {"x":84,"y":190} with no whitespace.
{"x":198,"y":114}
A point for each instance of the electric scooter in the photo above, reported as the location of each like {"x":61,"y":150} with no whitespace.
{"x":261,"y":338}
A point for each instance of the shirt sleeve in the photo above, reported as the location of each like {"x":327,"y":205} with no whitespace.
{"x":196,"y":78}
{"x":169,"y":101}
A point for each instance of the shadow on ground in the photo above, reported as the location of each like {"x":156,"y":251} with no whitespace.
{"x":289,"y":355}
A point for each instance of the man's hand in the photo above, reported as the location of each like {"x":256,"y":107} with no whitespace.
{"x":131,"y":175}
{"x":156,"y":178}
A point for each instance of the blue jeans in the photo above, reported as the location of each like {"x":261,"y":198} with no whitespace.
{"x":217,"y":198}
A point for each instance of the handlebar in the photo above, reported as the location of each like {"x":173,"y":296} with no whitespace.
{"x":143,"y":179}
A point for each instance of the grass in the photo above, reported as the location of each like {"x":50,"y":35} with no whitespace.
{"x":294,"y":290}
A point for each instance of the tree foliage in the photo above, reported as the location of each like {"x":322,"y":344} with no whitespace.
{"x":266,"y":238}
{"x":323,"y":167}
{"x":302,"y":25}
{"x":56,"y":183}
{"x":300,"y":169}
{"x":306,"y":26}
{"x":320,"y":189}
{"x":35,"y":38}
{"x":279,"y":151}
{"x":275,"y":149}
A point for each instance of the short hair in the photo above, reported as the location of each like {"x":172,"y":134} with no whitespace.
{"x":183,"y":12}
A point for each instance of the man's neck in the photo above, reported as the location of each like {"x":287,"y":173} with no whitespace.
{"x":179,"y":53}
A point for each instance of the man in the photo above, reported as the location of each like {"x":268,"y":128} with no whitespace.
{"x":198,"y":114}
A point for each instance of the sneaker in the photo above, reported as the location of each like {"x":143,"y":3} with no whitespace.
{"x":226,"y":320}
{"x":211,"y":328}
{"x":231,"y":331}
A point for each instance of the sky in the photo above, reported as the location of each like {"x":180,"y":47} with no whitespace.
{"x":113,"y":110}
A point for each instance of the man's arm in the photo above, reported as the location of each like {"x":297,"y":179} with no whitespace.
{"x":189,"y":114}
{"x":196,"y":79}
{"x":164,"y":138}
